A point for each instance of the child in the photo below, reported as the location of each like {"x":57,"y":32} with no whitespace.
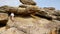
{"x":12,"y":17}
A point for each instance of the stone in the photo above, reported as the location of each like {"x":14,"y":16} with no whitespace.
{"x":28,"y":2}
{"x":48,"y":14}
{"x":21,"y":11}
{"x":39,"y":21}
{"x":30,"y":9}
{"x":3,"y":19}
{"x":12,"y":31}
{"x":5,"y":8}
{"x":57,"y":13}
{"x":30,"y":25}
{"x":2,"y":29}
{"x":2,"y":11}
{"x":49,"y":8}
{"x":8,"y":9}
{"x":58,"y":18}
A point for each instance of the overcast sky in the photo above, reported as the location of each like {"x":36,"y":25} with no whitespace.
{"x":40,"y":3}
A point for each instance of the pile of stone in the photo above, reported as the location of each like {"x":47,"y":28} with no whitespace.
{"x":29,"y":19}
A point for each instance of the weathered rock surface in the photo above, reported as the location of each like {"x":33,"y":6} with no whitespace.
{"x":2,"y":29}
{"x":29,"y":9}
{"x":12,"y":31}
{"x":49,"y":14}
{"x":3,"y":19}
{"x":43,"y":20}
{"x":30,"y":25}
{"x":33,"y":26}
{"x":28,"y":2}
{"x":29,"y":19}
{"x":3,"y":16}
{"x":49,"y":8}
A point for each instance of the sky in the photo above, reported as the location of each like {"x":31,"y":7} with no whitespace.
{"x":40,"y":3}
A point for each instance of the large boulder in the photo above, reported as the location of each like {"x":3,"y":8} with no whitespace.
{"x":28,"y":2}
{"x":3,"y":19}
{"x":30,"y":9}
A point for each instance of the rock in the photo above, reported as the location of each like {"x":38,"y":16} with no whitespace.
{"x":3,"y":19}
{"x":23,"y":6}
{"x":5,"y":8}
{"x":12,"y":31}
{"x":57,"y":13}
{"x":40,"y":20}
{"x":44,"y":14}
{"x":48,"y":14}
{"x":28,"y":2}
{"x":13,"y":10}
{"x":30,"y":9}
{"x":21,"y":11}
{"x":58,"y":18}
{"x":49,"y":8}
{"x":30,"y":25}
{"x":8,"y":9}
{"x":2,"y":11}
{"x":2,"y":29}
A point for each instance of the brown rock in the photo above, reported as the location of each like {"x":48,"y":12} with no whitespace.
{"x":2,"y":11}
{"x":30,"y":9}
{"x":30,"y":25}
{"x":3,"y":19}
{"x":8,"y":9}
{"x":58,"y":18}
{"x":21,"y":11}
{"x":2,"y":29}
{"x":5,"y":8}
{"x":12,"y":31}
{"x":49,"y":8}
{"x":57,"y":13}
{"x":48,"y":14}
{"x":28,"y":2}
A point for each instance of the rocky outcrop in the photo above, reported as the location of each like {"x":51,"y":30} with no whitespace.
{"x":29,"y":19}
{"x":3,"y":19}
{"x":40,"y":20}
